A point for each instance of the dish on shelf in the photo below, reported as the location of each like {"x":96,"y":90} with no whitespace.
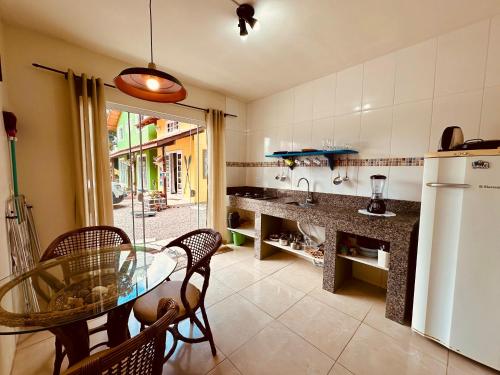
{"x":308,"y":150}
{"x":274,"y":237}
{"x":367,"y":252}
{"x":283,"y":241}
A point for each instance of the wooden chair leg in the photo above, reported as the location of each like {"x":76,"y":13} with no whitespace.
{"x":75,"y":349}
{"x":208,"y":333}
{"x":58,"y":357}
{"x":175,"y":338}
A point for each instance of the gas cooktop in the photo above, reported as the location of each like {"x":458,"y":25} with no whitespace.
{"x":258,"y":196}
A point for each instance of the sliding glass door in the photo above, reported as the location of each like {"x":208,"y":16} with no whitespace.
{"x":159,"y":175}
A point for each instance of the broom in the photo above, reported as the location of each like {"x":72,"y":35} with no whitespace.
{"x":10,"y":120}
{"x":21,"y":232}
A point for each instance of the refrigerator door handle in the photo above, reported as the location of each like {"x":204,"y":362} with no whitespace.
{"x":448,"y":185}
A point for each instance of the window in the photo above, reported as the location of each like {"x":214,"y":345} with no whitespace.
{"x":179,"y":172}
{"x":205,"y":164}
{"x":172,"y":126}
{"x":174,"y":172}
{"x":141,"y":173}
{"x":123,"y":171}
{"x":120,"y":133}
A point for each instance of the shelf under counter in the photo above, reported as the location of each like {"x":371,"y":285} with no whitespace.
{"x":373,"y":262}
{"x":247,"y":230}
{"x":300,"y":253}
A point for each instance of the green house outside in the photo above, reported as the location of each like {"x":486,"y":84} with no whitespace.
{"x":121,"y":159}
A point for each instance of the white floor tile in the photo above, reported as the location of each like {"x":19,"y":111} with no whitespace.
{"x":372,"y":352}
{"x":403,"y":334}
{"x":234,"y":321}
{"x":225,"y":368}
{"x":272,"y":296}
{"x":277,"y":350}
{"x":460,"y":365}
{"x":354,"y":298}
{"x":326,"y":328}
{"x":301,"y":275}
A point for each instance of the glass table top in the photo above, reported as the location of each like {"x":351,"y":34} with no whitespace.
{"x":80,"y":287}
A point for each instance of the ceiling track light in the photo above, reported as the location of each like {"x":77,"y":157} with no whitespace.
{"x":245,"y":14}
{"x":150,"y":83}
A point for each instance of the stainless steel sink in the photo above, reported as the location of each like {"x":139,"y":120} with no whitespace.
{"x":303,"y":205}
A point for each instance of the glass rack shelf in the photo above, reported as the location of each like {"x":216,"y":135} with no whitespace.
{"x":329,"y":154}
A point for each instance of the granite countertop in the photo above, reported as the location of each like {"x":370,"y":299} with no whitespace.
{"x":324,"y":212}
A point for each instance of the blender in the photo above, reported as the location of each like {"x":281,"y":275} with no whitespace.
{"x":377,"y":204}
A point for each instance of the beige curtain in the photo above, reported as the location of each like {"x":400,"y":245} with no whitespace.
{"x":93,"y":200}
{"x":216,"y":172}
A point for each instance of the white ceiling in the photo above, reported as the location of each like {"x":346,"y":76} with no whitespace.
{"x":198,"y":40}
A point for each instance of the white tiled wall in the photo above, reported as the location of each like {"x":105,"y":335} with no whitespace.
{"x":396,"y":105}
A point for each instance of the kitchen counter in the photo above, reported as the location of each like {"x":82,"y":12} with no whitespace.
{"x":338,"y":214}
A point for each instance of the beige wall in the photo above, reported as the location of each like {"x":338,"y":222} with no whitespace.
{"x":39,"y":100}
{"x":7,"y":343}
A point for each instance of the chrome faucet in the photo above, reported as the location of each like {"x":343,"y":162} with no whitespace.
{"x":309,"y":197}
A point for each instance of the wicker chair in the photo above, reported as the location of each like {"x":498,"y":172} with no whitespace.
{"x":83,"y":239}
{"x":199,"y":246}
{"x":87,"y":238}
{"x":141,"y":355}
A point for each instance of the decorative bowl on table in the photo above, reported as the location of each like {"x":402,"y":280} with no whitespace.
{"x":103,"y":290}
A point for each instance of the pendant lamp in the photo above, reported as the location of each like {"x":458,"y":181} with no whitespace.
{"x":150,"y":83}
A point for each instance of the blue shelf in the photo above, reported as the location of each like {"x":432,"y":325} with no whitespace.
{"x":329,"y":154}
{"x":311,"y":153}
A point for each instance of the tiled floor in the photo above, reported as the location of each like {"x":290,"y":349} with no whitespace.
{"x":272,"y":317}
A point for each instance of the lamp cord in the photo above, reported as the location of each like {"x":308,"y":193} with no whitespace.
{"x":151,"y":30}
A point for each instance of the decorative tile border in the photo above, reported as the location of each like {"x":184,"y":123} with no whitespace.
{"x":379,"y":162}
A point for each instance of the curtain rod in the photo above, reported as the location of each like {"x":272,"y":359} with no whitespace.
{"x":114,"y":87}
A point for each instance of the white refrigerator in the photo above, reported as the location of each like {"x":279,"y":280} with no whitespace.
{"x":457,"y":283}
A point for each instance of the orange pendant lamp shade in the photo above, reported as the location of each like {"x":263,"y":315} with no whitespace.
{"x":150,"y":84}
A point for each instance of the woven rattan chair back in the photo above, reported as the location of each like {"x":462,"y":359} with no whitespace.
{"x":87,"y":239}
{"x":141,"y":355}
{"x":199,"y":246}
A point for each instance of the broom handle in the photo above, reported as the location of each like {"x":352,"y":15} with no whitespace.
{"x":12,"y":142}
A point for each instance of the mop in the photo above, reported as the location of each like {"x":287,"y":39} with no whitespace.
{"x":22,"y":238}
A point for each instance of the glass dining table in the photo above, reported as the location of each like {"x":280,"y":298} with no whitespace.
{"x":61,"y":294}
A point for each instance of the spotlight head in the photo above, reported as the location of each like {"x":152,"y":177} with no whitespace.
{"x":254,"y":24}
{"x":243,"y":29}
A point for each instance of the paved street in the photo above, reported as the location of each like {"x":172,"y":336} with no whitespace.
{"x":166,"y":224}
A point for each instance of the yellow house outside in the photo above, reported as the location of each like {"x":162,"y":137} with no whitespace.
{"x":187,"y":155}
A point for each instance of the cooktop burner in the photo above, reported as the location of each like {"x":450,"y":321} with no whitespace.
{"x":258,"y":196}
